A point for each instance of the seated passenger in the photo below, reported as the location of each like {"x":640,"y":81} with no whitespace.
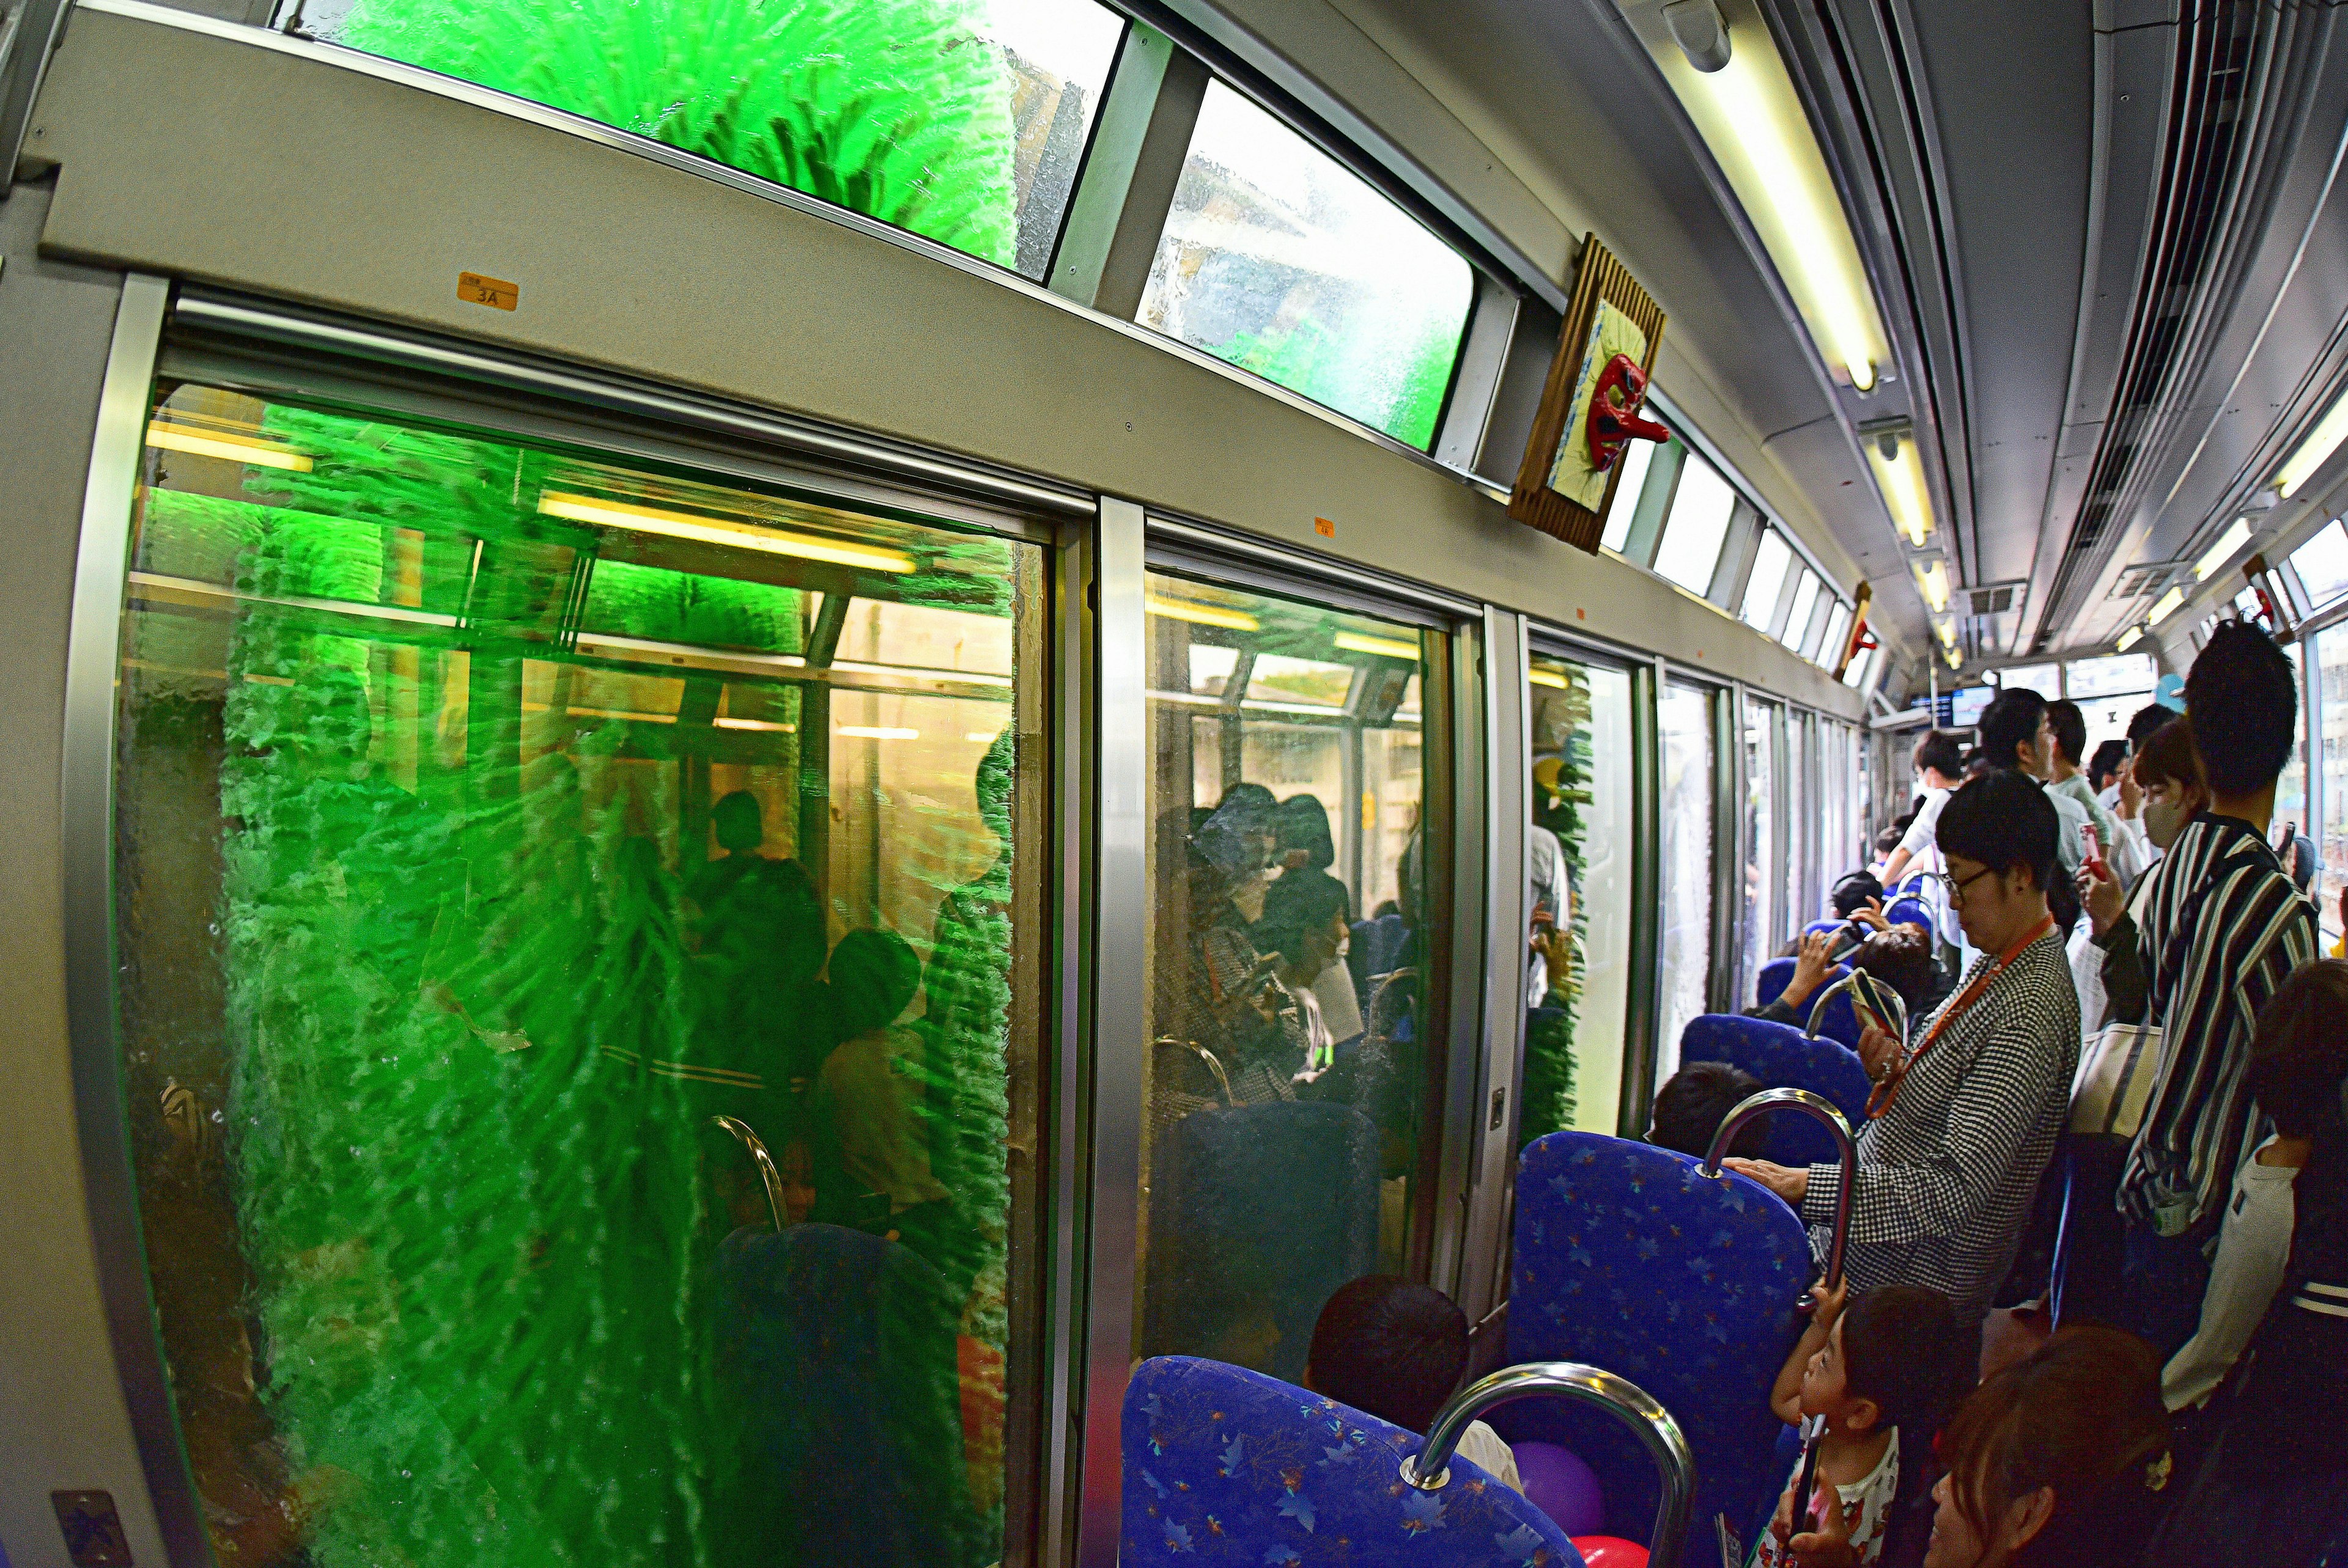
{"x":1306,"y":853}
{"x":1962,"y":1124}
{"x":2060,"y":1460}
{"x":1899,"y":956}
{"x":1694,"y":1102}
{"x":1395,"y":1350}
{"x":1303,"y":925}
{"x":1882,"y":1373}
{"x":870,"y":1096}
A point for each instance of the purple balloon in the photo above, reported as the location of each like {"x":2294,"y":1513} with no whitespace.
{"x":1558,"y":1484}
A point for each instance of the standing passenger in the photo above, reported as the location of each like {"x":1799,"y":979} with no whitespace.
{"x":1960,"y":1126}
{"x":2069,"y":727}
{"x":2221,"y":926}
{"x":1939,"y":765}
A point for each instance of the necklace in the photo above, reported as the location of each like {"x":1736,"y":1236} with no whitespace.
{"x":1879,"y":1097}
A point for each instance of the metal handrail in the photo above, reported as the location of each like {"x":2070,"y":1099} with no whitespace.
{"x":766,"y":1171}
{"x":1810,"y":1104}
{"x":1875,"y":995}
{"x":1586,"y":1385}
{"x":1222,"y":1079}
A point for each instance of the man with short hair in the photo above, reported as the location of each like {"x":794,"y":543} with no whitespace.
{"x":1940,"y":768}
{"x":2017,"y":731}
{"x":2069,"y":728}
{"x":2221,"y":928}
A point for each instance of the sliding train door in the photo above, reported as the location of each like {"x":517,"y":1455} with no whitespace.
{"x":580,"y":899}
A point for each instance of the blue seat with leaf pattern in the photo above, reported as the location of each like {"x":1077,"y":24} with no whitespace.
{"x":1783,"y":1057}
{"x":1629,"y":1258}
{"x":1222,"y":1465}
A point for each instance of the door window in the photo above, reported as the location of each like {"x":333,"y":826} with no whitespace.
{"x":1764,"y":885}
{"x":1685,"y":730}
{"x":1296,"y":932}
{"x":581,"y":998}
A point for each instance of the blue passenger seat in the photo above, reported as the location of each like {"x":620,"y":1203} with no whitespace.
{"x":1783,"y":1057}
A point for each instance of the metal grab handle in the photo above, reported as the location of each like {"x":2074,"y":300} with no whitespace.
{"x":766,"y":1172}
{"x":1873,"y":995}
{"x":1222,"y":1079}
{"x":1584,"y":1385}
{"x":1819,"y":1106}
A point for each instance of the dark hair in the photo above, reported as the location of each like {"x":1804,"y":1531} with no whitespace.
{"x":2070,"y":727}
{"x":2081,"y":1414}
{"x":738,"y":821}
{"x":1296,"y":905}
{"x":1901,"y":1348}
{"x":1853,"y":891}
{"x":2009,"y":722}
{"x":1902,"y":958}
{"x":1694,"y":1102}
{"x":1301,"y":822}
{"x":2106,"y":762}
{"x":2003,"y":820}
{"x":2244,"y":703}
{"x":2168,"y":752}
{"x":2146,"y":722}
{"x":872,"y":978}
{"x":1939,"y":751}
{"x":2299,"y":1053}
{"x":1391,"y":1348}
{"x":1888,"y":839}
{"x":1977,"y":763}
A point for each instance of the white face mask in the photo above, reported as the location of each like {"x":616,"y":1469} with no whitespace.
{"x":2164,"y":820}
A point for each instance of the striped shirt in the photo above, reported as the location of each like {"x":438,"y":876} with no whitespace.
{"x":2221,"y":926}
{"x":1948,"y":1173}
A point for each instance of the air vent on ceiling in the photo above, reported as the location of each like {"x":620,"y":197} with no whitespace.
{"x":1995,"y":598}
{"x":2145,"y":577}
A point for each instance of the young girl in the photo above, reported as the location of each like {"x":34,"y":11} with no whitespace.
{"x":1888,"y":1364}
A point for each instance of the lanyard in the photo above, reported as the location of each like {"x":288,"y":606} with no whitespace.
{"x":1879,"y":1097}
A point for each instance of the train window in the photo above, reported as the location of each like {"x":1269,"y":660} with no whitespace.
{"x":1698,"y":525}
{"x":2291,"y":785}
{"x":1685,"y":723}
{"x":1762,"y":586}
{"x":1279,"y":259}
{"x":2330,"y":693}
{"x":492,"y":821}
{"x":1763,"y":849}
{"x":1838,"y":633}
{"x":1798,"y":619}
{"x":962,"y":123}
{"x":2115,"y":675}
{"x":2321,"y":564}
{"x":1805,"y":806}
{"x":1637,"y":462}
{"x":1578,"y":863}
{"x":1294,"y":942}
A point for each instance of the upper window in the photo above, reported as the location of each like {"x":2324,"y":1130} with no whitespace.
{"x":1838,"y":633}
{"x":2321,"y":564}
{"x":1798,"y":620}
{"x":1637,"y":462}
{"x":1768,"y":576}
{"x":2120,"y":673}
{"x":1690,"y":548}
{"x":1279,"y":259}
{"x":963,"y":122}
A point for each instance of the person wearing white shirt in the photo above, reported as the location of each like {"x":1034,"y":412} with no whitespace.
{"x":1940,"y":768}
{"x":2253,"y":1247}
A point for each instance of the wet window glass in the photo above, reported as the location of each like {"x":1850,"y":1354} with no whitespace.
{"x":1685,"y":723}
{"x":964,"y":121}
{"x":1578,"y":907}
{"x":1764,"y":908}
{"x":579,"y":1000}
{"x":1698,"y":525}
{"x":1279,"y":259}
{"x":1296,"y":928}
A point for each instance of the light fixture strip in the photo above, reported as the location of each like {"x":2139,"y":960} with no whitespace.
{"x":697,"y":529}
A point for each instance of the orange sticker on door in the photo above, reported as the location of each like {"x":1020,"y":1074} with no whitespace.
{"x":495,"y":292}
{"x":1325,"y":527}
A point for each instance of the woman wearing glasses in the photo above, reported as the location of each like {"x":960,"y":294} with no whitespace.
{"x":1964,"y":1117}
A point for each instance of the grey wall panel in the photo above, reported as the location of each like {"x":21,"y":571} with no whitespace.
{"x":374,"y":195}
{"x":62,"y":1421}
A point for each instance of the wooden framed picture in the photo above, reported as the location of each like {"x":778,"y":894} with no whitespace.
{"x":1591,"y":407}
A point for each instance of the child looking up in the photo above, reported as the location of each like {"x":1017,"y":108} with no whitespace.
{"x":1889,"y":1361}
{"x":1394,"y":1350}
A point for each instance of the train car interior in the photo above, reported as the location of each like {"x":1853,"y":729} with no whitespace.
{"x":783,"y":772}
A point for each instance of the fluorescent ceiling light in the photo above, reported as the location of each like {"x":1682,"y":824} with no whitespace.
{"x":2166,"y":606}
{"x":720,"y":531}
{"x":876,"y":733}
{"x":920,"y":672}
{"x":756,"y":724}
{"x":1901,"y":479}
{"x":1753,"y":121}
{"x":1384,"y":647}
{"x":1932,"y":578}
{"x":2129,"y":639}
{"x":1203,"y":614}
{"x":247,"y":449}
{"x":984,"y":736}
{"x":1539,"y":677}
{"x":2320,"y":443}
{"x":2237,"y":535}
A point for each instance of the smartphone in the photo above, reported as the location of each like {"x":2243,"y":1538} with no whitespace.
{"x":2094,"y":857}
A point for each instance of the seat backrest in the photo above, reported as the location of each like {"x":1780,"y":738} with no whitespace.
{"x":1839,"y":1022}
{"x":1629,"y":1258}
{"x":1222,"y":1464}
{"x":1783,"y":1057}
{"x":1262,"y":1210}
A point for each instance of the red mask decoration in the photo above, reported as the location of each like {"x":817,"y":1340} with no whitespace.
{"x":1612,"y":423}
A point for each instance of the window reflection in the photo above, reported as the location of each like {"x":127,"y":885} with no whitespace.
{"x":1577,"y":870}
{"x":1762,"y":879}
{"x":1684,"y":722}
{"x":492,"y":822}
{"x":1293,"y":952}
{"x":1697,"y":527}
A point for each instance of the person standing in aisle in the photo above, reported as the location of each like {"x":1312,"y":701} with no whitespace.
{"x":1940,"y":768}
{"x":2069,"y":728}
{"x":2017,"y":731}
{"x":2221,"y":928}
